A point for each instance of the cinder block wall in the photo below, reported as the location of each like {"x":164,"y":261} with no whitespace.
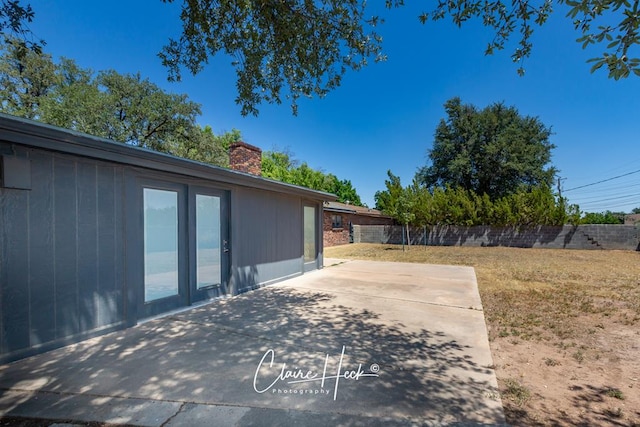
{"x":605,"y":236}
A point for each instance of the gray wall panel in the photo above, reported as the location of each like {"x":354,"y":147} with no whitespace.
{"x":65,"y":248}
{"x":42,"y":303}
{"x":106,"y":246}
{"x":15,"y":302}
{"x":87,"y":245}
{"x":267,"y":237}
{"x":110,"y":260}
{"x":62,"y":258}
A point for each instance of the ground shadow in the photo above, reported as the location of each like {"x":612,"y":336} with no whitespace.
{"x":210,"y":355}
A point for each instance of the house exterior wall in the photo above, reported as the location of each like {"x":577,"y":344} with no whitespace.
{"x":341,"y":236}
{"x":62,"y":257}
{"x":71,"y":241}
{"x":267,"y":236}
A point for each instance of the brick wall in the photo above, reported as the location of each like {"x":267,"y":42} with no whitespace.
{"x":340,"y":236}
{"x":245,"y":158}
{"x":605,"y":236}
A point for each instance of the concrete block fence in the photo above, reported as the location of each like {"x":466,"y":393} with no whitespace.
{"x":605,"y":236}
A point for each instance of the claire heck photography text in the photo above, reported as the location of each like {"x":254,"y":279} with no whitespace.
{"x":274,"y":375}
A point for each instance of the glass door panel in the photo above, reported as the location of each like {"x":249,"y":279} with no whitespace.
{"x":209,"y":247}
{"x":161,"y":277}
{"x":208,"y":241}
{"x":310,"y":234}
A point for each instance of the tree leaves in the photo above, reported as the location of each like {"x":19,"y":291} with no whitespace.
{"x":523,"y":16}
{"x":283,"y":167}
{"x":492,"y":151}
{"x":123,"y":107}
{"x":283,"y":49}
{"x":419,"y":206}
{"x":13,"y":24}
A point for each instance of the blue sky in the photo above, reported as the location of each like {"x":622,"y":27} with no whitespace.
{"x":384,"y":116}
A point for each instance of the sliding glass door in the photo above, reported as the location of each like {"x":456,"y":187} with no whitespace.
{"x":185,"y":246}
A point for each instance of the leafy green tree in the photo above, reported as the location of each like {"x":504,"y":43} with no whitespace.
{"x":121,"y":107}
{"x":397,"y":202}
{"x":281,"y":166}
{"x":202,"y":145}
{"x":75,"y":101}
{"x":612,"y":24}
{"x":492,"y":151}
{"x":288,"y":49}
{"x":635,"y":211}
{"x":26,"y":78}
{"x":300,"y":48}
{"x":278,"y":165}
{"x":303,"y":46}
{"x":607,"y":217}
{"x":142,"y":114}
{"x":344,"y":190}
{"x":14,"y":20}
{"x":418,"y":205}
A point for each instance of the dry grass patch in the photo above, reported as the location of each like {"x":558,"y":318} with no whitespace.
{"x":578,"y":309}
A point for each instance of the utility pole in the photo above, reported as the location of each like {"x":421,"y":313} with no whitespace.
{"x":560,"y":187}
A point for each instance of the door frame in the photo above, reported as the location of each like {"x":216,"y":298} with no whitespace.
{"x":195,"y":294}
{"x":162,"y":305}
{"x":313,"y":264}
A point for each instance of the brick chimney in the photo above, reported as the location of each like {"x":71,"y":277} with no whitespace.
{"x":245,"y":158}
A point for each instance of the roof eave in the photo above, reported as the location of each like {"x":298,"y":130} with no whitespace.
{"x":22,"y":131}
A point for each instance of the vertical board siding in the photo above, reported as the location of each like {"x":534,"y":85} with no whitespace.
{"x":15,"y":288}
{"x":87,"y":244}
{"x":111,"y":243}
{"x":15,"y":292}
{"x":42,"y":300}
{"x":62,"y":251}
{"x":66,"y":251}
{"x":267,"y":236}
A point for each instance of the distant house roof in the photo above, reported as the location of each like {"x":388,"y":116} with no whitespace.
{"x":18,"y":130}
{"x":632,"y":219}
{"x":351,"y":209}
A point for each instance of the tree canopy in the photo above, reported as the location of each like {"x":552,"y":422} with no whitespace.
{"x":418,"y":205}
{"x":14,"y":21}
{"x":123,"y":107}
{"x":493,"y":151}
{"x":282,"y":166}
{"x":300,"y":48}
{"x":288,"y":49}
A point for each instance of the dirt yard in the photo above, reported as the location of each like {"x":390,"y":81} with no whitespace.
{"x":564,"y":327}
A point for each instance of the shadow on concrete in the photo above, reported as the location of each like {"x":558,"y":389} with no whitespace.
{"x":209,"y":355}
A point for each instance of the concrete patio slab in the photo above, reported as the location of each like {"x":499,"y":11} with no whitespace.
{"x":359,"y":343}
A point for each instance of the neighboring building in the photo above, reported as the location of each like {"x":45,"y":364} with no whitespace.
{"x":96,"y":235}
{"x":340,"y":217}
{"x":632,"y":219}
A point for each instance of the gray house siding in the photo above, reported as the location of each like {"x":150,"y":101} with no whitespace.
{"x":71,"y":233}
{"x":61,"y":256}
{"x":267,"y":237}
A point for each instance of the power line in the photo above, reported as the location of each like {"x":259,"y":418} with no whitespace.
{"x":624,"y":186}
{"x":620,"y":192}
{"x":604,"y":180}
